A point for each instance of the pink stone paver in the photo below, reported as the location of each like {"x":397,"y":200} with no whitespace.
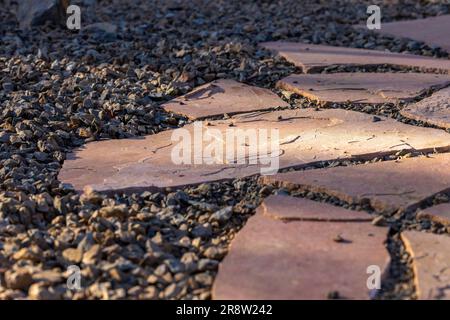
{"x":306,"y":136}
{"x":223,"y":96}
{"x":387,"y":185}
{"x":431,"y":263}
{"x":433,"y":31}
{"x":313,"y":58}
{"x":271,"y":259}
{"x":286,"y":208}
{"x":433,"y":110}
{"x":439,"y":214}
{"x":362,"y":87}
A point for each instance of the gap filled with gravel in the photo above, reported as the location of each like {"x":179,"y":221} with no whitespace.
{"x":62,"y":89}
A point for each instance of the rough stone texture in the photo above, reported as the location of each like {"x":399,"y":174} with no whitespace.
{"x":431,"y":263}
{"x":434,"y":110}
{"x":287,"y":208}
{"x":224,"y":96}
{"x":271,"y":259}
{"x":305,"y":136}
{"x":362,"y":87}
{"x":313,"y":58}
{"x":433,"y":31}
{"x":32,"y":13}
{"x":439,"y":214}
{"x":387,"y":186}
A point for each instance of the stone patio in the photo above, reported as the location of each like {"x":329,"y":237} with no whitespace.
{"x":306,"y":258}
{"x":362,"y":87}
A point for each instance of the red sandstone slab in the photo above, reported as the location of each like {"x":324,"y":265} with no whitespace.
{"x":290,"y":208}
{"x":306,"y":136}
{"x":224,"y":96}
{"x":433,"y":31}
{"x":270,"y":259}
{"x":362,"y":87}
{"x":387,"y":186}
{"x":431,"y":263}
{"x":314,"y":58}
{"x":433,"y":110}
{"x":439,"y":214}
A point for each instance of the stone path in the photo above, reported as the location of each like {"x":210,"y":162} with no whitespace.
{"x":439,"y":214}
{"x":433,"y":110}
{"x":314,"y":58}
{"x":362,"y":87}
{"x":388,"y":186}
{"x":294,"y":248}
{"x":431,"y":263}
{"x":306,"y":137}
{"x":433,"y":31}
{"x":223,"y":96}
{"x":324,"y":251}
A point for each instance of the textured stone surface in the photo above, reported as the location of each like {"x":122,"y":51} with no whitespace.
{"x":313,"y":58}
{"x":362,"y":87}
{"x":287,"y":208}
{"x":431,"y":263}
{"x":272,"y":259}
{"x":388,"y":185}
{"x":224,"y":96}
{"x":439,"y":214}
{"x":433,"y":31}
{"x":32,"y":13}
{"x":434,"y":110}
{"x":305,"y":136}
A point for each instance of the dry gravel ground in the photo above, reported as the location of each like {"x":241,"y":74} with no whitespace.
{"x":61,"y":89}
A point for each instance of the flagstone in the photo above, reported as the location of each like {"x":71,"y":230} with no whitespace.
{"x":314,"y":58}
{"x":362,"y":87}
{"x":272,"y":259}
{"x":287,"y":208}
{"x":439,"y":213}
{"x":387,"y":186}
{"x":224,"y":96}
{"x":431,"y":263}
{"x":433,"y":30}
{"x":305,"y":137}
{"x":434,"y":110}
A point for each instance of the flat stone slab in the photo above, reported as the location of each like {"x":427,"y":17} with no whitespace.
{"x":434,"y":110}
{"x":439,"y":214}
{"x":286,"y":208}
{"x":271,"y":259}
{"x":305,"y":137}
{"x":431,"y":263}
{"x":433,"y":31}
{"x":361,"y":87}
{"x":224,"y":96}
{"x":314,"y":58}
{"x":387,"y":186}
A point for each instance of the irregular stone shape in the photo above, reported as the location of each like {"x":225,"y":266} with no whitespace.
{"x":439,"y":214}
{"x":433,"y":31}
{"x":434,"y":110}
{"x":305,"y":137}
{"x":431,"y":263}
{"x":270,"y":259}
{"x":32,"y":13}
{"x":362,"y":87}
{"x":287,"y":208}
{"x":223,"y":96}
{"x":387,"y":186}
{"x":314,"y":58}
